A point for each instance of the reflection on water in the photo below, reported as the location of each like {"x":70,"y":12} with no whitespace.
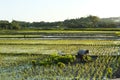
{"x":70,"y":37}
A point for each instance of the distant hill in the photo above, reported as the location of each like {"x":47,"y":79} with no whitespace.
{"x":115,"y":19}
{"x":78,"y":23}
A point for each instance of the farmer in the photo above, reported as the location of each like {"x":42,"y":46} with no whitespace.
{"x":81,"y":53}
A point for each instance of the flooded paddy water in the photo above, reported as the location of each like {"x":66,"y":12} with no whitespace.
{"x":17,"y":52}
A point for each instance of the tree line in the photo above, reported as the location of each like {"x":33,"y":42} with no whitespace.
{"x":83,"y":22}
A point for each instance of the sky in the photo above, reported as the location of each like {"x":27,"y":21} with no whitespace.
{"x":57,"y":10}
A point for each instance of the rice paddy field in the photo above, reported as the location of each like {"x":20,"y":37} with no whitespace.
{"x":21,"y":53}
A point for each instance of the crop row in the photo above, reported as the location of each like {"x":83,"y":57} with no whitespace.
{"x":21,"y":68}
{"x":64,"y":49}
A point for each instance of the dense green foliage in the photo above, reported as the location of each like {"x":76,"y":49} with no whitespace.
{"x":57,"y":59}
{"x":84,"y":22}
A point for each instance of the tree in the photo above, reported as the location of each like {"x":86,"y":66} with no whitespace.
{"x":93,"y":21}
{"x":15,"y":25}
{"x":4,"y":24}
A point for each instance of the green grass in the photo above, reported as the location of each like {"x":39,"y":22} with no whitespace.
{"x":56,"y":31}
{"x":66,"y":41}
{"x":96,"y":47}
